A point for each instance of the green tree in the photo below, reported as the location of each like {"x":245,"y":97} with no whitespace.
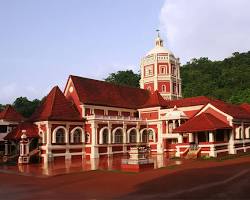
{"x":25,"y":106}
{"x":227,"y":79}
{"x":127,"y":78}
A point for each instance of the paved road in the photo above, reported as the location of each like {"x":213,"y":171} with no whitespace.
{"x":229,"y":181}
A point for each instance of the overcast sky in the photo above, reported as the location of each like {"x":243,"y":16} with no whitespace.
{"x":42,"y":42}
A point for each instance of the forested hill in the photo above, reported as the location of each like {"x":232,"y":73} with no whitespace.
{"x":227,"y":80}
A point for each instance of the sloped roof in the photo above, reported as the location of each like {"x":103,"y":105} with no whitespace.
{"x":191,"y":101}
{"x":202,"y":122}
{"x":245,"y":106}
{"x":95,"y":92}
{"x":235,"y":111}
{"x":10,"y":114}
{"x":30,"y":128}
{"x":155,"y":99}
{"x":56,"y":107}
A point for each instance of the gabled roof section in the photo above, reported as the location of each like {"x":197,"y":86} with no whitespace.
{"x":95,"y":92}
{"x":10,"y":114}
{"x":235,"y":111}
{"x":202,"y":122}
{"x":155,"y":99}
{"x":56,"y":107}
{"x":245,"y":106}
{"x":191,"y":101}
{"x":30,"y":128}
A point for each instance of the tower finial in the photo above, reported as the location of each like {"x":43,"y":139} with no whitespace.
{"x":158,"y":40}
{"x":158,"y":32}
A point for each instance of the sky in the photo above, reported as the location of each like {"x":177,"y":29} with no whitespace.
{"x":42,"y":42}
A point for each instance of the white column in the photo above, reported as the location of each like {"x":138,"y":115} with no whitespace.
{"x":231,"y":143}
{"x":180,"y":138}
{"x":124,"y":133}
{"x":174,"y":125}
{"x":191,"y":137}
{"x":94,"y":147}
{"x":109,"y":133}
{"x":160,"y":146}
{"x":138,"y":138}
{"x":211,"y":137}
{"x":67,"y":135}
{"x":179,"y":122}
{"x":167,"y":129}
{"x":49,"y":156}
{"x":6,"y":148}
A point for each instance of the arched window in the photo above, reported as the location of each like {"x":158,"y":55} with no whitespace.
{"x":118,"y":136}
{"x":77,"y":136}
{"x":60,"y":136}
{"x":87,"y":138}
{"x":105,"y":136}
{"x":239,"y":133}
{"x":145,"y":136}
{"x":132,"y":136}
{"x":248,"y":133}
{"x":150,"y":135}
{"x":163,"y":88}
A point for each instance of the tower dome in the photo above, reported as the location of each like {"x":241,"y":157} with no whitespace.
{"x":160,"y":70}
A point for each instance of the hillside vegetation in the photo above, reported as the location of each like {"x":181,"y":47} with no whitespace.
{"x":228,"y":80}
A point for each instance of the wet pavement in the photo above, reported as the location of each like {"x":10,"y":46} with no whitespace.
{"x":75,"y":166}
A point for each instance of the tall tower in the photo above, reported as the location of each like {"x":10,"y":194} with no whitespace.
{"x":160,"y":70}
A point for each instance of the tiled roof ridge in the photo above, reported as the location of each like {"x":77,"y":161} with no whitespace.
{"x":109,"y":83}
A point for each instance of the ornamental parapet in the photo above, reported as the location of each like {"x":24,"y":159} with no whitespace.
{"x":114,"y":118}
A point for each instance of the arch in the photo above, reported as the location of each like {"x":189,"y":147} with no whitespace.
{"x":77,"y":135}
{"x":247,"y":133}
{"x":150,"y":134}
{"x":239,"y":133}
{"x":104,"y":135}
{"x":118,"y":135}
{"x":144,"y":136}
{"x":60,"y":135}
{"x":132,"y":135}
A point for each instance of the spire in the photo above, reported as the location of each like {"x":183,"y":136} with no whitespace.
{"x":158,"y":40}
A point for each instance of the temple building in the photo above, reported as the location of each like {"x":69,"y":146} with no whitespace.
{"x":93,"y":118}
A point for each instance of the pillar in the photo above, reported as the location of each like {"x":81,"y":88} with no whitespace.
{"x":6,"y":148}
{"x":160,"y":146}
{"x":48,"y":156}
{"x":167,"y":129}
{"x":231,"y":147}
{"x":94,"y":147}
{"x":24,"y":149}
{"x":180,"y":138}
{"x":191,"y":137}
{"x":124,"y":133}
{"x":67,"y":134}
{"x":211,"y":137}
{"x":138,"y":138}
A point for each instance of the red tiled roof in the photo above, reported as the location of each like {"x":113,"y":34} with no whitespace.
{"x":245,"y":106}
{"x":10,"y":114}
{"x":30,"y":128}
{"x":56,"y":107}
{"x":155,"y":99}
{"x":202,"y":122}
{"x":191,"y":101}
{"x":235,"y":111}
{"x":95,"y":92}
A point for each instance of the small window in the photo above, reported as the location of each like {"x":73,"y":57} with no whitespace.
{"x":164,"y":88}
{"x":118,"y":136}
{"x":105,"y":136}
{"x":3,"y":128}
{"x":132,"y":136}
{"x":87,"y":138}
{"x":60,"y":136}
{"x":163,"y":71}
{"x":77,"y":136}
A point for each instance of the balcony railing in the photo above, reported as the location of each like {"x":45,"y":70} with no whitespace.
{"x":104,"y":117}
